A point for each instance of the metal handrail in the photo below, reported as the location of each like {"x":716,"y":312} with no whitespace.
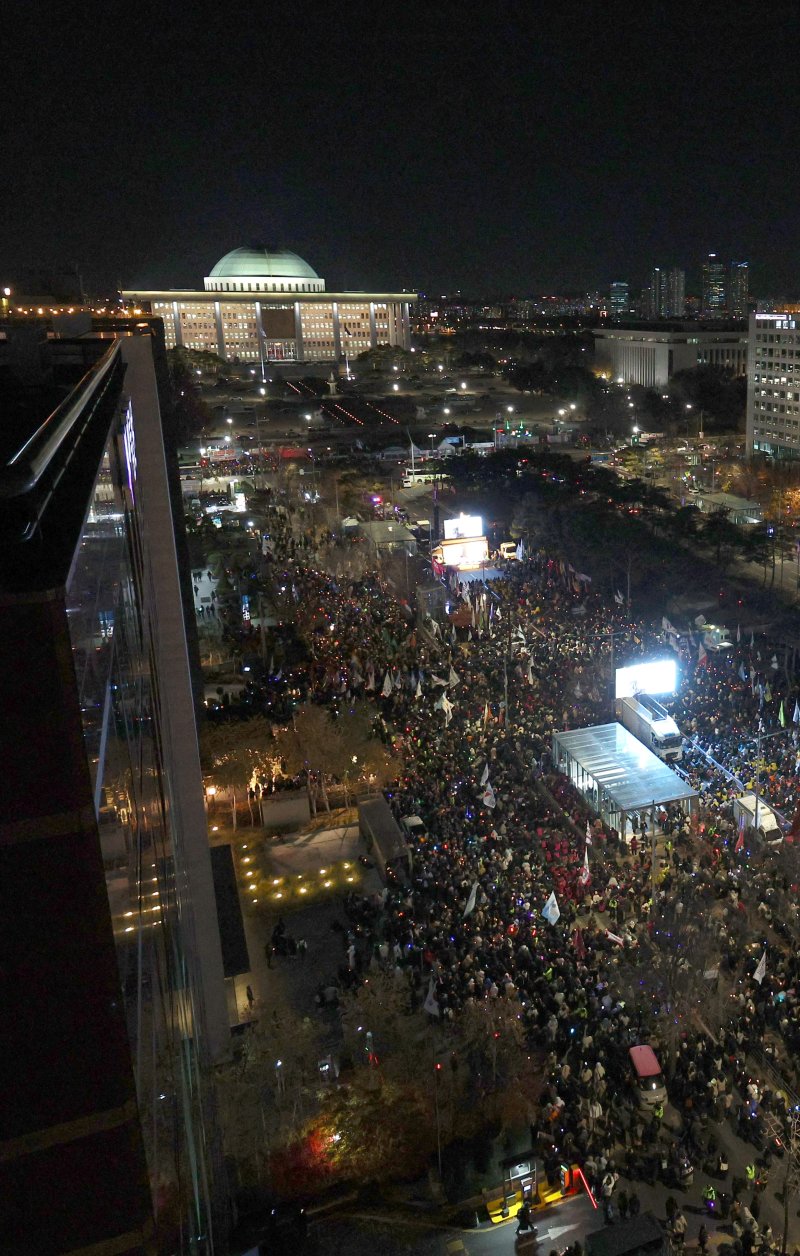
{"x":25,"y":469}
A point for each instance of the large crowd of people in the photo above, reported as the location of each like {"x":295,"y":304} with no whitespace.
{"x":471,"y":710}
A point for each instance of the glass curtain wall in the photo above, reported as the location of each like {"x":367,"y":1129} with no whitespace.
{"x":119,"y":704}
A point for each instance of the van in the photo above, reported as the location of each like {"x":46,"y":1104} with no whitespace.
{"x":508,"y":550}
{"x":648,"y":1077}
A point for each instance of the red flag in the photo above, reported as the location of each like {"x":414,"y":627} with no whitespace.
{"x":702,"y":656}
{"x":579,"y":944}
{"x":739,"y":844}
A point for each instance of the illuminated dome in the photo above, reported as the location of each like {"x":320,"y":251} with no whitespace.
{"x":255,"y":268}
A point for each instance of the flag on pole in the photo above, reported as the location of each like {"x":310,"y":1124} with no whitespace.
{"x":431,"y":1004}
{"x":578,"y":943}
{"x":418,"y":690}
{"x":738,"y":633}
{"x":619,"y":599}
{"x":485,"y":776}
{"x":452,"y":679}
{"x":437,"y":680}
{"x":588,"y":833}
{"x":782,"y":716}
{"x":702,"y":656}
{"x":487,"y":798}
{"x":487,"y":715}
{"x":796,"y":716}
{"x":530,"y":671}
{"x":614,"y":937}
{"x":739,"y":843}
{"x":551,"y":910}
{"x":752,"y":639}
{"x":742,"y":672}
{"x":585,"y":874}
{"x":761,"y":971}
{"x":471,"y":901}
{"x":386,"y":691}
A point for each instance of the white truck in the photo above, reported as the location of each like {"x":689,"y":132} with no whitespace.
{"x":744,"y":813}
{"x":648,"y":720}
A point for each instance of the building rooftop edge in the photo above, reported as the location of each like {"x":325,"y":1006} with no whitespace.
{"x":208,"y":294}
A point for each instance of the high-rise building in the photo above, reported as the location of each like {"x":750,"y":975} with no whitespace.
{"x":112,"y":978}
{"x":651,"y":355}
{"x":619,"y":301}
{"x":714,"y":288}
{"x":268,"y":305}
{"x":773,"y":390}
{"x":674,"y":293}
{"x":738,"y":289}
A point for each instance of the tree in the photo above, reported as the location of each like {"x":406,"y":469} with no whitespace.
{"x":723,"y":537}
{"x":381,"y":1008}
{"x":234,"y":752}
{"x":267,"y":1094}
{"x":328,"y":749}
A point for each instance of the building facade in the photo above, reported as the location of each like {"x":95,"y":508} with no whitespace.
{"x":714,"y":287}
{"x":650,"y":354}
{"x":260,"y":305}
{"x":773,"y":385}
{"x":112,"y":976}
{"x":738,"y":289}
{"x":619,"y":300}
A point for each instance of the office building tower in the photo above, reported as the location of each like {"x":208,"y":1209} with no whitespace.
{"x":619,"y":301}
{"x":658,"y":286}
{"x":714,"y":288}
{"x":738,"y":289}
{"x":262,"y":305}
{"x":773,"y":389}
{"x":112,"y":978}
{"x":674,"y":293}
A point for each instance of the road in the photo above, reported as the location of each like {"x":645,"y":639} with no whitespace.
{"x":365,"y":1232}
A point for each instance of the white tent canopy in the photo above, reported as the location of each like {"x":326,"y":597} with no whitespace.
{"x":616,"y":773}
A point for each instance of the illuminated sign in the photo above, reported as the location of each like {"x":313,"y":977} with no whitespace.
{"x":658,"y":677}
{"x":463,"y":526}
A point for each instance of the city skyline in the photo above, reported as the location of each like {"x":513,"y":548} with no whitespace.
{"x":516,"y":154}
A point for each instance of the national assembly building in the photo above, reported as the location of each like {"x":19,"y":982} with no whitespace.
{"x":259,"y":305}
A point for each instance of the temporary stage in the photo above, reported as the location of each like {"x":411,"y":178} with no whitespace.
{"x":618,"y":776}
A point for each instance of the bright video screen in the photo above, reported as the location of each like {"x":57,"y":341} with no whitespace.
{"x":463,"y":526}
{"x":656,"y":677}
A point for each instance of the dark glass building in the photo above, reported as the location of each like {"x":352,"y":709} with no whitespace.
{"x":111,"y":974}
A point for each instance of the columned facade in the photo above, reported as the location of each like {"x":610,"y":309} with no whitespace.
{"x":261,"y":305}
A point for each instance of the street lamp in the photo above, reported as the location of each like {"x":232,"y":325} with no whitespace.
{"x":396,"y":387}
{"x":229,"y":420}
{"x":463,"y":385}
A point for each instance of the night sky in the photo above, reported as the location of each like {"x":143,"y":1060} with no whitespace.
{"x":496,"y":148}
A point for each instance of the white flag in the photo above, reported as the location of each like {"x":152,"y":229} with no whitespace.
{"x":796,"y":716}
{"x":452,"y":679}
{"x":386,"y":691}
{"x":484,"y":776}
{"x":431,"y":1004}
{"x":418,"y":693}
{"x":530,"y":671}
{"x":488,"y":799}
{"x":551,"y":910}
{"x":619,"y":599}
{"x":585,"y":873}
{"x":614,"y":937}
{"x":761,"y":971}
{"x":437,"y":680}
{"x":738,"y":633}
{"x":588,"y":833}
{"x":471,"y":901}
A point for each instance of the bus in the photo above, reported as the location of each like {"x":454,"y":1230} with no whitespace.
{"x":410,"y":478}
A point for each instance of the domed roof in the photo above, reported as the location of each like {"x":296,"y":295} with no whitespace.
{"x":255,"y":260}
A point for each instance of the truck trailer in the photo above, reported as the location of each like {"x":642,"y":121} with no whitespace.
{"x":655,"y":728}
